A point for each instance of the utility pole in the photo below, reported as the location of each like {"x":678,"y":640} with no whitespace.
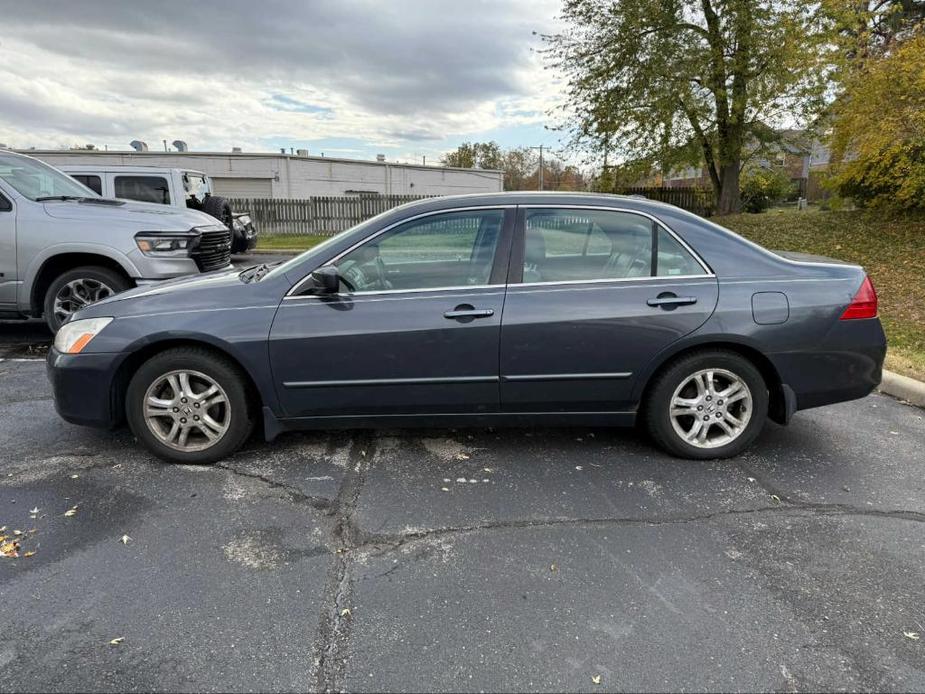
{"x":541,"y":165}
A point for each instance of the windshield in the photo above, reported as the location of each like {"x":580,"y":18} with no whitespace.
{"x":33,"y":179}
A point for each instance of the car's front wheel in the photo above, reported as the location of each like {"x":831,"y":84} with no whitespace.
{"x":709,"y":404}
{"x":189,"y":405}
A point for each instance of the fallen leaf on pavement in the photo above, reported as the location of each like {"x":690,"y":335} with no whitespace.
{"x":596,"y":679}
{"x":775,"y":498}
{"x":462,"y":456}
{"x":71,"y":512}
{"x":74,"y":477}
{"x":345,"y":612}
{"x":125,"y":539}
{"x":117,"y":641}
{"x":35,"y":510}
{"x":9,"y":549}
{"x":553,"y":567}
{"x":30,"y":553}
{"x":913,"y":635}
{"x":444,"y":489}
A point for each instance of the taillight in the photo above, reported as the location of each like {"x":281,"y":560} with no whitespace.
{"x":864,"y":303}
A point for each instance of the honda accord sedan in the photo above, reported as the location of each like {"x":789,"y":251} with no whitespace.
{"x":499,"y":309}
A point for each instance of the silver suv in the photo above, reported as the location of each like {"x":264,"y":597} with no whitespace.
{"x":62,"y":246}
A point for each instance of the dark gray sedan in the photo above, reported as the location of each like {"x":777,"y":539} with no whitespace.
{"x":515,"y":308}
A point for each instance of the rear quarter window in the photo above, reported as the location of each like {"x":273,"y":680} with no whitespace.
{"x":94,"y":183}
{"x":674,"y":259}
{"x":143,"y":189}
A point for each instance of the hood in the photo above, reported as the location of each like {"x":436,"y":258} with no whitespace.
{"x":142,"y":216}
{"x":180,"y":292}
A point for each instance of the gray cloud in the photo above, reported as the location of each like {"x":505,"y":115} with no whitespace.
{"x":431,"y":56}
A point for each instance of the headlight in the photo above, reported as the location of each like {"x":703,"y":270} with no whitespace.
{"x":163,"y":244}
{"x":74,"y":336}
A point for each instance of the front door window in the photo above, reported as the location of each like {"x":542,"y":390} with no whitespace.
{"x":454,"y":249}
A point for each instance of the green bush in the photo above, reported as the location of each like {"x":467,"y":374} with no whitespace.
{"x":761,"y":188}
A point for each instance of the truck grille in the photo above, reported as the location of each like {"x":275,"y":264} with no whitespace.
{"x":213,"y":250}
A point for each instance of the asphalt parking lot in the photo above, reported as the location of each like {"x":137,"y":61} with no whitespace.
{"x":461,"y":560}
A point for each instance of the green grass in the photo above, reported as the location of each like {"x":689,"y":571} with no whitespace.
{"x":286,"y":242}
{"x":890,"y":248}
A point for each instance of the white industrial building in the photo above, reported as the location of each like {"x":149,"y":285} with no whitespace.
{"x":258,"y":175}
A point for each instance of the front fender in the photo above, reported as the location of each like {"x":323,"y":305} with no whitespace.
{"x":42,"y":257}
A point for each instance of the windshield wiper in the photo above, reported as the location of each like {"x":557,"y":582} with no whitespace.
{"x":252,"y":273}
{"x":257,"y":272}
{"x":45,"y":198}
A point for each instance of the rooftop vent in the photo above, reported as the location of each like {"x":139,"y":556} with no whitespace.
{"x":380,"y":157}
{"x":235,"y":150}
{"x":302,"y":152}
{"x":138,"y":145}
{"x":180,"y":145}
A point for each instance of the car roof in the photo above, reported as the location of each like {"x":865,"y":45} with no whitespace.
{"x":541,"y":197}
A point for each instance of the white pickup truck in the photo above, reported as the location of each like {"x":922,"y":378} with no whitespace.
{"x":63,"y":246}
{"x":176,"y":187}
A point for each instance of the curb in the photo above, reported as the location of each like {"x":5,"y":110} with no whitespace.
{"x":903,"y":387}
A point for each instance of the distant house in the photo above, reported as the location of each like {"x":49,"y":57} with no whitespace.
{"x":797,"y":153}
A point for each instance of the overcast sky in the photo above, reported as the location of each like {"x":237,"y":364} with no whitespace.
{"x":347,"y":78}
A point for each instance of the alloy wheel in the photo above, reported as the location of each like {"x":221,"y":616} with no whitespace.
{"x":711,"y":408}
{"x":79,"y":293}
{"x":187,"y":410}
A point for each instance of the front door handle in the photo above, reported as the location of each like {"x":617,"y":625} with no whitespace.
{"x":467,"y":311}
{"x":670,"y":300}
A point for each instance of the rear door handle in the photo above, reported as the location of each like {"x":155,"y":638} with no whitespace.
{"x":672,"y":300}
{"x":469,"y":313}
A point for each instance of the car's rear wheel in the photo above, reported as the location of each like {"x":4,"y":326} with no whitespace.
{"x":189,"y":405}
{"x":72,"y":290}
{"x":709,"y":404}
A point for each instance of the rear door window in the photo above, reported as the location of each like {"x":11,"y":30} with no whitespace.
{"x":143,"y":188}
{"x":573,"y":245}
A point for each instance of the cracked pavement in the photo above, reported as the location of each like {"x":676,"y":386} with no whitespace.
{"x":464,"y":560}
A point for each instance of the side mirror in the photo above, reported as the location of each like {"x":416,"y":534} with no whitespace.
{"x":326,"y":279}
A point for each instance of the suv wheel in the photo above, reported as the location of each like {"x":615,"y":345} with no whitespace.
{"x":219,"y":208}
{"x":189,"y":405}
{"x":77,"y":288}
{"x":709,"y":404}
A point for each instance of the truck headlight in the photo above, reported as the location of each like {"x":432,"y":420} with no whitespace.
{"x":72,"y":337}
{"x":163,"y":244}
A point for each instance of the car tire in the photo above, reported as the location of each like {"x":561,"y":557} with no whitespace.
{"x":690,"y":418}
{"x":226,"y":413}
{"x":219,"y":208}
{"x":74,"y":289}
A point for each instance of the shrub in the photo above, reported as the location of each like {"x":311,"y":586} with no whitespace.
{"x":761,"y":188}
{"x":879,"y":135}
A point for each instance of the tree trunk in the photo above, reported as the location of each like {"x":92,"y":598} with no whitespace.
{"x":727,"y":197}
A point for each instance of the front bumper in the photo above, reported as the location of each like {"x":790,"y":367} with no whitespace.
{"x":83,"y":387}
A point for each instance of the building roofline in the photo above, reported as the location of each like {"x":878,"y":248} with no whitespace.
{"x":246,"y":155}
